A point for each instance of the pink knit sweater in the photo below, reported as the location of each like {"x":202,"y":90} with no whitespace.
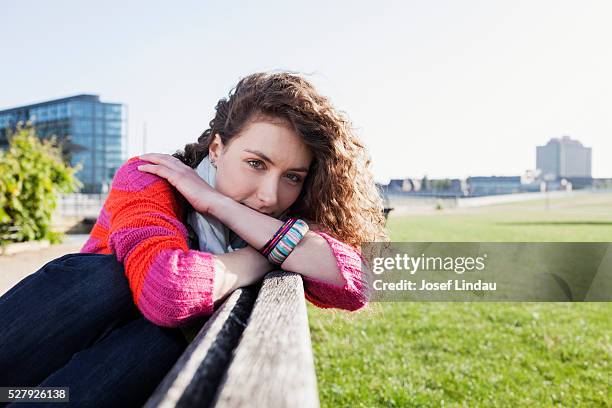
{"x":171,"y":284}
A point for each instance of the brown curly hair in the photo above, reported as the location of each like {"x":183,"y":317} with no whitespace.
{"x":339,"y":193}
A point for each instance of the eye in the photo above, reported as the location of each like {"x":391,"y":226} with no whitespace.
{"x":294,"y":177}
{"x":256,"y":164}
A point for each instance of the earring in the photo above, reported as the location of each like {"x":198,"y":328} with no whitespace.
{"x":212,"y":163}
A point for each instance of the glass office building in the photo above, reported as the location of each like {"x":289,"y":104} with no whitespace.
{"x":93,"y":133}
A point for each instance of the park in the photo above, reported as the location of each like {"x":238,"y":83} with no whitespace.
{"x":468,"y":353}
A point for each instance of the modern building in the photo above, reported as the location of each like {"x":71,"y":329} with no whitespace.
{"x":493,"y":185}
{"x":93,"y":133}
{"x":426,"y":187}
{"x":564,"y":158}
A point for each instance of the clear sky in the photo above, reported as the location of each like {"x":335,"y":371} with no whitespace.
{"x":443,"y":88}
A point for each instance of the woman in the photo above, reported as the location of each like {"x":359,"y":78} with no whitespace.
{"x":278,"y":181}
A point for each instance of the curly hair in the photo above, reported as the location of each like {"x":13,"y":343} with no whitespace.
{"x":339,"y":193}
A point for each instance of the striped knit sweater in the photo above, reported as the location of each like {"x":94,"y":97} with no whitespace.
{"x":140,"y":223}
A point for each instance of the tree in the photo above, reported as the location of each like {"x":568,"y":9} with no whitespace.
{"x":32,"y":174}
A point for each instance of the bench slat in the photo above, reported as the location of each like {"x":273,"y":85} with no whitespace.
{"x":273,"y":364}
{"x":195,"y":377}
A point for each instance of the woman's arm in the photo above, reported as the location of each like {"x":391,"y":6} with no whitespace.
{"x":238,"y":269}
{"x":334,"y":275}
{"x":170,"y":283}
{"x":312,"y":257}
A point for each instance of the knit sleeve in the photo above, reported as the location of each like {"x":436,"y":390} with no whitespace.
{"x":353,"y":294}
{"x":171,"y":284}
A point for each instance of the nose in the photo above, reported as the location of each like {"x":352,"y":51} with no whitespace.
{"x":267,"y":193}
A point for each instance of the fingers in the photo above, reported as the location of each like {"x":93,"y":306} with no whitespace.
{"x":168,"y":167}
{"x":166,"y":160}
{"x":156,"y":157}
{"x":158,"y":170}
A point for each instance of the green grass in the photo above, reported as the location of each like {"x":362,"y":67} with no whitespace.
{"x":577,"y":219}
{"x":474,"y":354}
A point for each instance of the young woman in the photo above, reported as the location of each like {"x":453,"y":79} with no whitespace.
{"x":278,"y":181}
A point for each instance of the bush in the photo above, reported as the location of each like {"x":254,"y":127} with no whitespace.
{"x":32,"y":174}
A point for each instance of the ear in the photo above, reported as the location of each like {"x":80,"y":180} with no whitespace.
{"x":215,"y":149}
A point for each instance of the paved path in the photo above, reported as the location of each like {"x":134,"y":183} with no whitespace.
{"x":14,"y":268}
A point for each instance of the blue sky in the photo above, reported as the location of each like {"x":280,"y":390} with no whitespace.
{"x":443,"y":88}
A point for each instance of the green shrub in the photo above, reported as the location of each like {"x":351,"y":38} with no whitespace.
{"x":32,"y":174}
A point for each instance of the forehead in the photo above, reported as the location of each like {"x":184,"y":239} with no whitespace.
{"x":276,"y":139}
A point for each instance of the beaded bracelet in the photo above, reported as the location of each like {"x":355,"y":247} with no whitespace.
{"x":287,"y":243}
{"x":265,"y":251}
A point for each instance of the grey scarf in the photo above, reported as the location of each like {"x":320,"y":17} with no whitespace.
{"x":213,"y":236}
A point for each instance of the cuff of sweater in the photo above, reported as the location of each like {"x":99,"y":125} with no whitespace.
{"x":354,"y":293}
{"x":178,"y":287}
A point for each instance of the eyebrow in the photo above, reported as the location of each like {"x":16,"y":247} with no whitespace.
{"x":266,"y":158}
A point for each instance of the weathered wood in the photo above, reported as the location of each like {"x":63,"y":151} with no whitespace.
{"x":194,"y":379}
{"x":254,"y":350}
{"x":386,"y":211}
{"x":273,"y":364}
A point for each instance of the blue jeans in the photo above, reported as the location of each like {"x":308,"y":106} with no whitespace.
{"x":74,"y":324}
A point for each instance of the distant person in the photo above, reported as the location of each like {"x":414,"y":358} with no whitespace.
{"x":278,"y":180}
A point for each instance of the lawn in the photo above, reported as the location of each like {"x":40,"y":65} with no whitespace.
{"x":474,"y":354}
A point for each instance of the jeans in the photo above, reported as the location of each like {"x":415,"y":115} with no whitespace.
{"x":74,"y":324}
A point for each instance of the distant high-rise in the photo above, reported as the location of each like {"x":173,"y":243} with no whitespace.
{"x":93,"y":133}
{"x":564,"y":157}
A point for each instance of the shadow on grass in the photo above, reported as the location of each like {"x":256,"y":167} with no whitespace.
{"x":561,"y":223}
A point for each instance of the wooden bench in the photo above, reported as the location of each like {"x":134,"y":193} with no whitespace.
{"x":254,"y":350}
{"x":386,"y":211}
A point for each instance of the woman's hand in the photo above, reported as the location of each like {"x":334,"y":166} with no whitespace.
{"x":185,"y":179}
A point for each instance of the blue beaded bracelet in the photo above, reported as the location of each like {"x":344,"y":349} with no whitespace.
{"x":288,"y":242}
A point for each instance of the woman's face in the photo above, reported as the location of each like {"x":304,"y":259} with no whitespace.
{"x":262,"y":167}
